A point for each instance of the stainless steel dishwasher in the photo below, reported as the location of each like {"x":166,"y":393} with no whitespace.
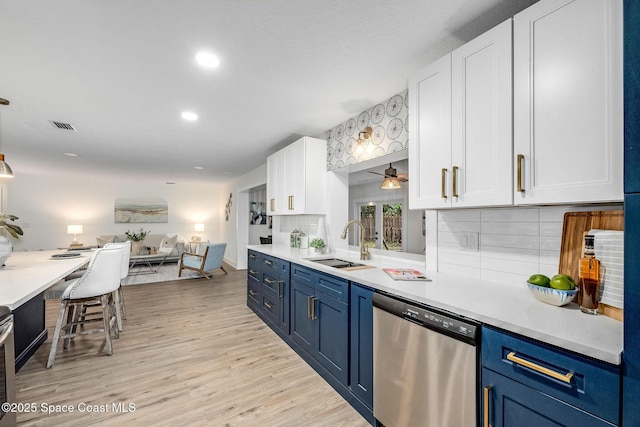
{"x":425,"y":366}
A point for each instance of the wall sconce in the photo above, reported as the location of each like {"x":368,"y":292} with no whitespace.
{"x":5,"y":169}
{"x":199,"y":228}
{"x":365,"y":134}
{"x":75,"y":230}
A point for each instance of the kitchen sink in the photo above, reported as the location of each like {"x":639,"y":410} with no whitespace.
{"x":338,"y":263}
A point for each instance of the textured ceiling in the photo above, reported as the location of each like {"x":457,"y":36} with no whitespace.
{"x":122,"y":71}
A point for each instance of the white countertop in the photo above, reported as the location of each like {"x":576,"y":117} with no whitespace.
{"x":511,"y":308}
{"x":27,"y":274}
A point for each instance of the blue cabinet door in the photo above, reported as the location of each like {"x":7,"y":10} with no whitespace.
{"x":302,"y":326}
{"x":512,"y":404}
{"x":331,"y":346}
{"x":361,"y":344}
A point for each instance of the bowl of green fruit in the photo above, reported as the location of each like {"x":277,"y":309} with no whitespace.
{"x":558,"y":290}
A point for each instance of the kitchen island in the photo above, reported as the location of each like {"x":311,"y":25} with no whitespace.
{"x":22,"y":280}
{"x":507,"y":306}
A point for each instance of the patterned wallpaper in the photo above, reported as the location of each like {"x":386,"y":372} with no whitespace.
{"x":389,"y":123}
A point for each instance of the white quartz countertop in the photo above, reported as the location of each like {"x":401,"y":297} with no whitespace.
{"x":26,"y":274}
{"x":507,"y":306}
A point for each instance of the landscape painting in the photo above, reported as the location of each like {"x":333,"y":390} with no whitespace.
{"x":141,"y":210}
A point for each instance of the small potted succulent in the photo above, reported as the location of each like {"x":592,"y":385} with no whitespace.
{"x":5,"y":244}
{"x":318,"y":245}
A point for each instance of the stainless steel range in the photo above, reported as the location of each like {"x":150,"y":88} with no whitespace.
{"x":425,"y":366}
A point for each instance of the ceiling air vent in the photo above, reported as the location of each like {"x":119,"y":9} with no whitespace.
{"x":64,"y":126}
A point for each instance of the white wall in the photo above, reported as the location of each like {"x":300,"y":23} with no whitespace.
{"x":235,"y":231}
{"x":47,"y":204}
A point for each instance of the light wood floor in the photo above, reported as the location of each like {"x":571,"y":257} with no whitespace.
{"x":191,"y":354}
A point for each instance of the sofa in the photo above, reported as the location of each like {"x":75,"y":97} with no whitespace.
{"x":170,"y":243}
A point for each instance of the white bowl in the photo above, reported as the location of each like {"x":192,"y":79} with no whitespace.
{"x":552,"y":296}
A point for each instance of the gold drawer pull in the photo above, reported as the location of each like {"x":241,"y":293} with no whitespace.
{"x":269,"y":281}
{"x":487,"y":389}
{"x":269,"y":306}
{"x":520,"y":188}
{"x":253,"y":271}
{"x":266,"y":261}
{"x":272,"y":204}
{"x":252,"y":256}
{"x":313,"y":308}
{"x":252,"y":293}
{"x":444,"y":179}
{"x":454,"y":181}
{"x":546,"y":371}
{"x":290,"y":203}
{"x":279,"y":290}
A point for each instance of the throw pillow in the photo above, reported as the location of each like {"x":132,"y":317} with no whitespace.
{"x":169,"y":242}
{"x":103,"y":240}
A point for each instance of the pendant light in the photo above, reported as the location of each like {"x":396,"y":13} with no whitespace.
{"x":5,"y":169}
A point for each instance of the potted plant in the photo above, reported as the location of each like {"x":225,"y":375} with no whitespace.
{"x":136,"y":240}
{"x":5,"y":245}
{"x":318,"y":245}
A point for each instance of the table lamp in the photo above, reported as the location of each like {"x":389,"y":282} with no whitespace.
{"x":75,"y":230}
{"x":199,"y":228}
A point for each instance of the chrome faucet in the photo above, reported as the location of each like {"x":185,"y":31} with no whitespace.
{"x":364,"y":253}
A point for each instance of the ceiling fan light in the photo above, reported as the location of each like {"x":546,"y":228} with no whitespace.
{"x":390,"y":183}
{"x":5,"y":169}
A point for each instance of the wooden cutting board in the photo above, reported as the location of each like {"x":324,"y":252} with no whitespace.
{"x":575,"y":225}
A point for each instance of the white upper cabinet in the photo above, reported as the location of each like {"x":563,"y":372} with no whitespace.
{"x":430,"y":135}
{"x":296,"y":178}
{"x":568,"y":143}
{"x":460,"y":140}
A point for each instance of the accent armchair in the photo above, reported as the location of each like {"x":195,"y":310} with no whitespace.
{"x":210,"y":260}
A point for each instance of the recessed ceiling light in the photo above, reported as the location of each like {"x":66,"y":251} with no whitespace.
{"x":71,"y":154}
{"x":207,"y":60}
{"x":198,"y":167}
{"x":190,"y":116}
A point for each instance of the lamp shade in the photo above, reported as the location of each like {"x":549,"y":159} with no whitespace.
{"x":74,"y":229}
{"x":199,"y":227}
{"x":390,"y":184}
{"x":5,"y":169}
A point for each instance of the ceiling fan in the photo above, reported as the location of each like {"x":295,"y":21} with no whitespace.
{"x":391,"y":178}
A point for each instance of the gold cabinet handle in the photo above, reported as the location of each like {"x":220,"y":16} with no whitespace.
{"x":541,"y":369}
{"x":313,"y":308}
{"x":309,"y":307}
{"x":269,"y":281}
{"x":252,"y":292}
{"x":519,"y":161}
{"x":252,"y":256}
{"x":454,"y":182}
{"x":266,"y":261}
{"x":253,"y":272}
{"x":290,"y":203}
{"x":269,"y":306}
{"x":444,"y":179}
{"x":272,"y":204}
{"x":279,"y":290}
{"x":486,"y":391}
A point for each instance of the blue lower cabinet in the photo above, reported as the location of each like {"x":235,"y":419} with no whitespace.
{"x":324,"y":318}
{"x":528,"y":383}
{"x":320,"y":323}
{"x":512,"y":404}
{"x":361,"y":344}
{"x":302,"y":326}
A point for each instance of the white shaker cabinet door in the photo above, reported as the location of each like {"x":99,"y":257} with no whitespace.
{"x":430,"y":136}
{"x":568,"y":143}
{"x":275,"y":183}
{"x":482,"y":136}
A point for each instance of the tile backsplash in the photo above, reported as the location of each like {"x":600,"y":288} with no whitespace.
{"x":513,"y":242}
